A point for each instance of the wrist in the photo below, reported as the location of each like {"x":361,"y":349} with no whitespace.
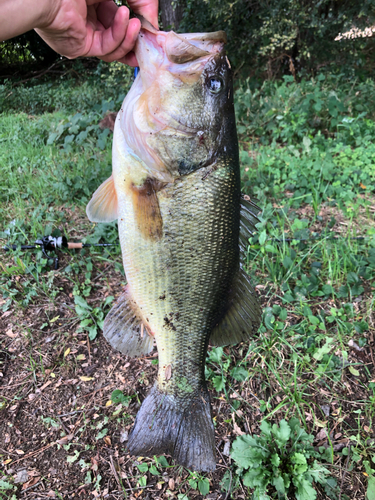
{"x":34,"y":14}
{"x":47,"y":12}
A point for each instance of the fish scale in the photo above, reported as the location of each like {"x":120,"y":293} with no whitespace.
{"x":202,"y":263}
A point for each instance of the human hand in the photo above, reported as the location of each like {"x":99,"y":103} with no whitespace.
{"x":96,"y":28}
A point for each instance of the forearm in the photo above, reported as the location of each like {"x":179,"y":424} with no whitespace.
{"x":19,"y":16}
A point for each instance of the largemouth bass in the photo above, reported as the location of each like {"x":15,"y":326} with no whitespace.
{"x":175,"y":191}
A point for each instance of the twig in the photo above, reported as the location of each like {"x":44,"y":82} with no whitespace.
{"x":115,"y":367}
{"x":8,"y":453}
{"x":230,"y":485}
{"x":70,"y":413}
{"x":63,"y":425}
{"x":37,"y":76}
{"x":32,"y":486}
{"x":88,"y":348}
{"x":345,"y":471}
{"x":114,"y":472}
{"x":18,"y":383}
{"x":32,"y":453}
{"x":96,"y":390}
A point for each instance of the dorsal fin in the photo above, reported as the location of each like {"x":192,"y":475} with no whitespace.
{"x":103,"y":206}
{"x":248,"y":218}
{"x":242,"y":318}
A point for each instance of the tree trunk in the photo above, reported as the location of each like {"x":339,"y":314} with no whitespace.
{"x":171,"y":13}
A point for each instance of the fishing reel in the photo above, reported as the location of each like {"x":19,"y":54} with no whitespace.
{"x":48,"y":244}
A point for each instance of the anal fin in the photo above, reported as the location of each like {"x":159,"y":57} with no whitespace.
{"x":243,"y":315}
{"x":124,"y":330}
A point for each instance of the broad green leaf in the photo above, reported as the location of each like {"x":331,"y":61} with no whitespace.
{"x":371,"y":488}
{"x":142,"y":467}
{"x":5,"y":485}
{"x":80,"y":301}
{"x":246,"y":452}
{"x":354,"y":371}
{"x":278,"y":483}
{"x":275,"y":460}
{"x":256,"y":477}
{"x":262,"y":237}
{"x":240,"y":373}
{"x":304,"y":490}
{"x":216,"y":354}
{"x":101,"y":434}
{"x":266,"y":427}
{"x":162,"y":461}
{"x":218,"y":383}
{"x":282,"y":433}
{"x":204,"y":486}
{"x":318,"y":355}
{"x":93,"y":331}
{"x":300,"y":463}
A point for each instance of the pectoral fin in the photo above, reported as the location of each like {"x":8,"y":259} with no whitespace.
{"x":124,"y":330}
{"x":103,"y":206}
{"x":243,"y":315}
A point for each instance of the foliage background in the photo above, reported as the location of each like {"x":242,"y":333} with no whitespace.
{"x":306,"y":124}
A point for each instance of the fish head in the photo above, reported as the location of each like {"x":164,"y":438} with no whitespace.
{"x":182,"y":114}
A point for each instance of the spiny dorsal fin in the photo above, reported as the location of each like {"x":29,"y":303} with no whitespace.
{"x":103,"y":206}
{"x":243,"y":316}
{"x":248,"y":219}
{"x":124,"y":330}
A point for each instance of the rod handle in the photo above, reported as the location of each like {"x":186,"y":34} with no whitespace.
{"x":74,"y":245}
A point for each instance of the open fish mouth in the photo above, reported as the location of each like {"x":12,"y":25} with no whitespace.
{"x":184,"y":55}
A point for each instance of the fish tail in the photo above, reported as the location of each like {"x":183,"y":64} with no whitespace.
{"x":169,"y":424}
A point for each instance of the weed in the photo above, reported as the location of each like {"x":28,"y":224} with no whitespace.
{"x":279,"y":460}
{"x":92,"y":318}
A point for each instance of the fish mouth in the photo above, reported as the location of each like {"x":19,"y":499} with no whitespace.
{"x":184,"y":55}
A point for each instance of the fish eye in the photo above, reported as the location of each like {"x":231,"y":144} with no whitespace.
{"x":215,"y":84}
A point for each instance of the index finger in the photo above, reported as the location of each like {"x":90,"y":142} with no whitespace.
{"x":146,"y":8}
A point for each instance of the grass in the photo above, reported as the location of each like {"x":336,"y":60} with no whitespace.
{"x":312,"y":262}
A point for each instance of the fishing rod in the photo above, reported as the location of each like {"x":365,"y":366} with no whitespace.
{"x":52,"y":244}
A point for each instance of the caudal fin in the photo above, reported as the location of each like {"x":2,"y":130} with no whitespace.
{"x":166,"y":424}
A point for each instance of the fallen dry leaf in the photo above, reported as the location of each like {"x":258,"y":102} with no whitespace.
{"x":322,"y":434}
{"x":10,"y":333}
{"x":30,"y":483}
{"x":65,"y":439}
{"x":21,"y":477}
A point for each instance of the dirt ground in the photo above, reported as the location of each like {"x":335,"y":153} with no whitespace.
{"x":62,"y":437}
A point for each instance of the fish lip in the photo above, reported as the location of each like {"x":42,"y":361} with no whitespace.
{"x":176,"y":48}
{"x":146,"y":25}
